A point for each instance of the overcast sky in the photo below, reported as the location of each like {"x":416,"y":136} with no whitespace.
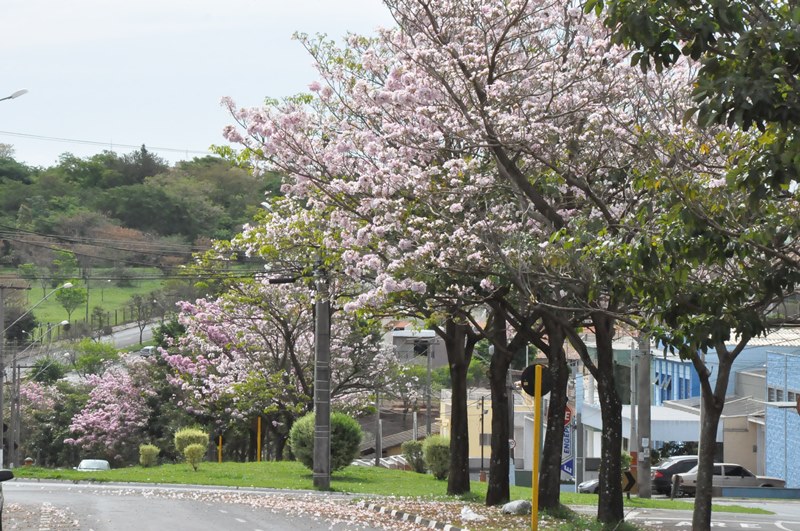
{"x":108,"y":74}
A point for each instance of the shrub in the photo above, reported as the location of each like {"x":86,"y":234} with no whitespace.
{"x":186,"y":436}
{"x":412,"y":451}
{"x":436,"y":450}
{"x":148,"y":455}
{"x":345,"y":437}
{"x":194,"y":454}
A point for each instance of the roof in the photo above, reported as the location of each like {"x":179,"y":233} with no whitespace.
{"x":735,"y":406}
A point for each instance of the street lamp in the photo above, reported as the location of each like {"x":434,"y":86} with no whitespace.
{"x":16,"y":94}
{"x":65,"y":285}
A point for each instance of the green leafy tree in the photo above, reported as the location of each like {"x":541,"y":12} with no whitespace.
{"x":747,"y":51}
{"x":47,"y":370}
{"x":90,"y":357}
{"x":63,"y":267}
{"x":71,"y":299}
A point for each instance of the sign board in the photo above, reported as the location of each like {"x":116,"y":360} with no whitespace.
{"x":567,"y":415}
{"x":566,"y":452}
{"x":528,"y":380}
{"x":628,"y":481}
{"x":568,"y":467}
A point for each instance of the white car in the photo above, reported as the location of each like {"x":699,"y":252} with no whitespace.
{"x":726,"y":475}
{"x":93,"y":465}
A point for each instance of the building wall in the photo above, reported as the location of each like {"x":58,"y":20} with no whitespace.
{"x":740,"y":438}
{"x":783,"y":445}
{"x":673,"y":379}
{"x":783,"y":424}
{"x":751,"y":384}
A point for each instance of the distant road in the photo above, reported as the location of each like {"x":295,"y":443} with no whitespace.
{"x":129,"y":336}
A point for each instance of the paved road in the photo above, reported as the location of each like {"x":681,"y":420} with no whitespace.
{"x":55,"y":506}
{"x":786,"y":516}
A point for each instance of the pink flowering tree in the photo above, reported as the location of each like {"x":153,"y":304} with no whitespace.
{"x":250,"y":353}
{"x":469,"y":159}
{"x":112,"y":423}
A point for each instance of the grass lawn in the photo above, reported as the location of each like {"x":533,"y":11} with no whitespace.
{"x":368,"y":481}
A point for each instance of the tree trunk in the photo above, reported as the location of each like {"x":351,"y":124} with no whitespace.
{"x":550,"y":471}
{"x":712,"y":404}
{"x":459,"y":354}
{"x":609,"y":508}
{"x":498,"y":488}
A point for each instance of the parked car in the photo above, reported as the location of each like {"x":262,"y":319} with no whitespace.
{"x":93,"y":465}
{"x":591,"y":486}
{"x":148,"y":351}
{"x":726,"y":475}
{"x":5,"y":475}
{"x":661,"y":475}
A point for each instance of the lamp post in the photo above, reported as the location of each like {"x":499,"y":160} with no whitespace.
{"x":16,"y":94}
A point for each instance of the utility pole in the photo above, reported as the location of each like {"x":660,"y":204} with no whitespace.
{"x":633,"y":441}
{"x":3,"y":287}
{"x":2,"y":368}
{"x":428,"y":391}
{"x":644,"y":399}
{"x":322,"y":383}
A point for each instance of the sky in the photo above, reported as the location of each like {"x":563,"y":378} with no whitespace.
{"x":113,"y":74}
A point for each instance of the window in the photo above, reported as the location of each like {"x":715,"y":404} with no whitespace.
{"x":486,"y":439}
{"x":792,"y":396}
{"x":717,"y":470}
{"x":770,"y":394}
{"x":779,"y":395}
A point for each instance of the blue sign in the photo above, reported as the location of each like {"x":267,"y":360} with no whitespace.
{"x":568,"y":467}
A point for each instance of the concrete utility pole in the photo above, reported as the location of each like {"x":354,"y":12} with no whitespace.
{"x":3,"y":327}
{"x":644,"y":395}
{"x":322,"y":384}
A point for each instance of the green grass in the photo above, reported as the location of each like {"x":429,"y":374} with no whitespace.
{"x":101,"y":293}
{"x":353,"y":479}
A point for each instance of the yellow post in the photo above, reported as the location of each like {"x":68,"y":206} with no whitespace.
{"x":258,"y":444}
{"x":219,"y":450}
{"x":537,"y":432}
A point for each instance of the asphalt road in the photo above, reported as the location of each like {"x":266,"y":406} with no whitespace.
{"x":53,"y":506}
{"x":786,"y":516}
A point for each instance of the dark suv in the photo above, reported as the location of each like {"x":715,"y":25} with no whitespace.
{"x":661,"y":476}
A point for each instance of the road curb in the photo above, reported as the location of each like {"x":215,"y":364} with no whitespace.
{"x":407,"y":517}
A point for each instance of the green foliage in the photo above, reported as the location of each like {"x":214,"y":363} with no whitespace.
{"x":188,"y":436}
{"x":63,"y":267}
{"x":71,"y":299}
{"x":194,"y":454}
{"x":412,"y":452}
{"x":169,"y":329}
{"x":436,"y":450}
{"x":748,"y":59}
{"x":90,"y":357}
{"x":47,"y":370}
{"x":148,"y":455}
{"x":625,"y":461}
{"x":346,"y":435}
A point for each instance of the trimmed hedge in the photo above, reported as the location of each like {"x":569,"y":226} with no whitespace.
{"x":148,"y":455}
{"x":346,"y":435}
{"x":436,"y":450}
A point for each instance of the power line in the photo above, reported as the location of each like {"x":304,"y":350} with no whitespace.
{"x":110,"y":145}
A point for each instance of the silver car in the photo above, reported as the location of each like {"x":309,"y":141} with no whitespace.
{"x":5,"y":475}
{"x":93,"y":465}
{"x":726,"y":475}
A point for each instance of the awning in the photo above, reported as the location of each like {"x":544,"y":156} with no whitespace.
{"x":666,"y":424}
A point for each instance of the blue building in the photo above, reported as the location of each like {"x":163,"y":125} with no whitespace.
{"x":782,"y":418}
